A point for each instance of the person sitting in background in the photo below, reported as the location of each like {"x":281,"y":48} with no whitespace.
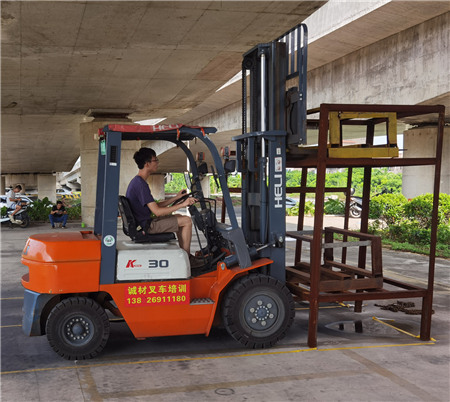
{"x":13,"y":202}
{"x":58,"y":215}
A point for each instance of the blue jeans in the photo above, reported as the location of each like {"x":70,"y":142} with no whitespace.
{"x":58,"y":218}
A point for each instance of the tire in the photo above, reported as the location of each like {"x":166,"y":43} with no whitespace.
{"x":355,"y":212}
{"x":25,"y":222}
{"x":258,"y":310}
{"x":77,"y":328}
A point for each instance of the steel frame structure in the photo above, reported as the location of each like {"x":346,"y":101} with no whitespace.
{"x":310,"y":289}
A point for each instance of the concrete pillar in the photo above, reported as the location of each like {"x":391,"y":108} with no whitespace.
{"x":421,"y":142}
{"x":89,"y":159}
{"x":47,"y":187}
{"x":206,"y":188}
{"x":156,"y":183}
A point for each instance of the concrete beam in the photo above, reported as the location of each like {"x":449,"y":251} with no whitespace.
{"x":411,"y":67}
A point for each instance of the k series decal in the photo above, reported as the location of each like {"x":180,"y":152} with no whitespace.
{"x":132,"y":264}
{"x":151,"y":264}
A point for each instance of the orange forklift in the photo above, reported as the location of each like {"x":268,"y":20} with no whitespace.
{"x":79,"y":281}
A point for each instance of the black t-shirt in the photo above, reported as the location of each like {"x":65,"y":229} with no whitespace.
{"x":60,"y":210}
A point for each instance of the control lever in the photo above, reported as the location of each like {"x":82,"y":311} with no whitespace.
{"x":253,"y":251}
{"x":215,"y":177}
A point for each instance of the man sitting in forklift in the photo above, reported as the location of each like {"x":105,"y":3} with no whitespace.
{"x":143,"y":205}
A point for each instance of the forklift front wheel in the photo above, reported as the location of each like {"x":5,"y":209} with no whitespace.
{"x":77,"y":328}
{"x":258,"y":310}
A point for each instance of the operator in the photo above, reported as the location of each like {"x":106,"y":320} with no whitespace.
{"x":58,"y":214}
{"x":12,"y":202}
{"x":143,"y":204}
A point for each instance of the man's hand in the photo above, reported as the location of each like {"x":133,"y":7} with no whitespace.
{"x":181,"y":193}
{"x":188,"y":202}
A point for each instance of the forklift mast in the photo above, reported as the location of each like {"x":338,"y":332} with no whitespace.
{"x":277,"y":121}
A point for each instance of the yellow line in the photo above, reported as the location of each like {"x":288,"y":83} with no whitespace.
{"x":11,"y":326}
{"x":377,"y":346}
{"x":211,"y":357}
{"x":11,"y":298}
{"x":320,"y":308}
{"x":398,"y":329}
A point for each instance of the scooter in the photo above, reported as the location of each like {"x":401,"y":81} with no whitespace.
{"x":21,"y":218}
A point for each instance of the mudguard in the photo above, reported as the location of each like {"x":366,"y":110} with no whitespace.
{"x":33,"y":304}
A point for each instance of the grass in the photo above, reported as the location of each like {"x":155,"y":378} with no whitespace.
{"x":442,"y":250}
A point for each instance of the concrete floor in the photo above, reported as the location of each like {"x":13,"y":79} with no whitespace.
{"x":378,"y":364}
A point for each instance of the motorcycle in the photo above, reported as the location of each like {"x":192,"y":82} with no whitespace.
{"x":355,"y":205}
{"x":21,"y":218}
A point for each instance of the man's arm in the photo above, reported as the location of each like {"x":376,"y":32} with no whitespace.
{"x":165,"y":203}
{"x":159,"y":210}
{"x":12,"y":197}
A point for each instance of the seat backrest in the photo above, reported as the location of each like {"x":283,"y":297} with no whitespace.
{"x":128,"y":221}
{"x":136,"y":232}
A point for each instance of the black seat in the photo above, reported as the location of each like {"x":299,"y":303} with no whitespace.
{"x":136,"y":232}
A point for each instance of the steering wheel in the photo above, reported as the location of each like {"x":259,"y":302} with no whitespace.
{"x":184,"y":198}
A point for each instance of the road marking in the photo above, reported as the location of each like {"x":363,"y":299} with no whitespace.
{"x":184,"y":359}
{"x":11,"y":326}
{"x":11,"y":298}
{"x":398,"y":329}
{"x":320,"y":308}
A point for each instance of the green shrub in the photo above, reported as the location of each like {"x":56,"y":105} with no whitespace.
{"x":3,"y":211}
{"x":74,"y":211}
{"x":309,"y":209}
{"x":40,"y":209}
{"x":443,"y":234}
{"x":420,"y":209}
{"x":333,"y":207}
{"x":387,"y":207}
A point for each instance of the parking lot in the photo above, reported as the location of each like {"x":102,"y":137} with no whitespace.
{"x":374,"y":355}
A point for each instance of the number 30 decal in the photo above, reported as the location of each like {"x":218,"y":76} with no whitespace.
{"x":158,"y":263}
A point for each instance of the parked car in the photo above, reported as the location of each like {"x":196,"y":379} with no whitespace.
{"x":290,"y":202}
{"x":62,"y":192}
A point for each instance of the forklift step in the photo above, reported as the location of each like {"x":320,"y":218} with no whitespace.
{"x":204,"y":300}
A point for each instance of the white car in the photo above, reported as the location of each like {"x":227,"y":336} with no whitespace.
{"x":290,"y":202}
{"x":62,"y":192}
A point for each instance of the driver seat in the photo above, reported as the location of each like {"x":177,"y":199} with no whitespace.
{"x":136,"y":232}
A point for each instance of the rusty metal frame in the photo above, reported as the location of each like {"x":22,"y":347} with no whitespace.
{"x":321,"y":161}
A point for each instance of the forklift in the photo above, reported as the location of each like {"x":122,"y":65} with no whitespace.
{"x":78,"y":282}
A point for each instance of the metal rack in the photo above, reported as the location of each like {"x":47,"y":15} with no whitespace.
{"x":323,"y":278}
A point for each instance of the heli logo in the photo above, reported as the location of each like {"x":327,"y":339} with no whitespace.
{"x":278,"y":190}
{"x":132,"y":264}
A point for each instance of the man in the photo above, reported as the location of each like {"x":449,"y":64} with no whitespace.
{"x":12,"y":201}
{"x":143,"y":204}
{"x":58,"y":215}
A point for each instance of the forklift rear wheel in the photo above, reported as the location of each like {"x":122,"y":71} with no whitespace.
{"x":77,"y":328}
{"x":258,"y":310}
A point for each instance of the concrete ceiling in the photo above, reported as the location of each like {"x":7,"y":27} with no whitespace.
{"x":386,"y":19}
{"x":150,"y":59}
